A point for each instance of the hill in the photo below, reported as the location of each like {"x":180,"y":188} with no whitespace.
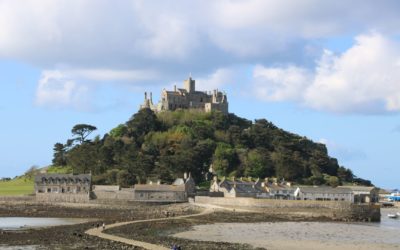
{"x":24,"y":185}
{"x":167,"y":144}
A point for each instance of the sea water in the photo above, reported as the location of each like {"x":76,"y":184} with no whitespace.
{"x":18,"y":223}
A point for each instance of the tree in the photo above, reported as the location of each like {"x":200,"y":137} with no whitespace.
{"x":83,"y":158}
{"x":259,"y":163}
{"x":125,"y":179}
{"x":31,"y":172}
{"x":333,"y":181}
{"x":59,"y":157}
{"x":82,"y":131}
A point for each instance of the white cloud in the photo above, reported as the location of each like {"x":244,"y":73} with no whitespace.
{"x":277,"y":84}
{"x":218,"y":79}
{"x":111,"y":75}
{"x":102,"y":40}
{"x":363,"y":79}
{"x":143,"y":33}
{"x":57,"y":91}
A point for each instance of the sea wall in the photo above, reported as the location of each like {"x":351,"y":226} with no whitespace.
{"x":339,"y":210}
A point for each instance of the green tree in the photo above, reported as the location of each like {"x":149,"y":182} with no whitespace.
{"x":125,"y":179}
{"x":83,"y":158}
{"x":142,"y":123}
{"x":225,"y":159}
{"x":259,"y":163}
{"x":82,"y":131}
{"x":333,"y":181}
{"x":59,"y":155}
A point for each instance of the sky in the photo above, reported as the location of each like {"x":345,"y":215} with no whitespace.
{"x":327,"y":70}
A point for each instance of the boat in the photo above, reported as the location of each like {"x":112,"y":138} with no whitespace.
{"x":393,"y":216}
{"x":393,"y":197}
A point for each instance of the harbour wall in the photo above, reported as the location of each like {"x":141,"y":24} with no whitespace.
{"x":337,"y":210}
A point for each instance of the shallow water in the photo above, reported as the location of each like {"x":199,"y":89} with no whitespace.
{"x":18,"y":223}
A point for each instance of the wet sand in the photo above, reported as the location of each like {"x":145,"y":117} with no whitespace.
{"x":299,"y":235}
{"x":73,"y":236}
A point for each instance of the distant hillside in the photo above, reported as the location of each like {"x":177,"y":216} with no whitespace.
{"x":168,"y":144}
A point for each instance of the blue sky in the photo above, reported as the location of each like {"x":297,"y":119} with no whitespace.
{"x":322,"y":69}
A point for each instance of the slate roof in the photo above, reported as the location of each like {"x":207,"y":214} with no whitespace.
{"x":159,"y":187}
{"x":68,"y":177}
{"x":325,"y":190}
{"x":359,"y":188}
{"x":241,"y":186}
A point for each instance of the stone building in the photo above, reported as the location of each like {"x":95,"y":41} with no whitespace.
{"x":179,"y":191}
{"x":63,"y":187}
{"x":188,"y":98}
{"x":362,"y":194}
{"x":236,"y":187}
{"x":324,"y":194}
{"x":353,"y":194}
{"x":273,"y":189}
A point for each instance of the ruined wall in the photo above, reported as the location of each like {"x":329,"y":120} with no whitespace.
{"x":60,"y":197}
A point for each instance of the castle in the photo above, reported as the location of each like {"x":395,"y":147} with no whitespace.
{"x":188,"y":98}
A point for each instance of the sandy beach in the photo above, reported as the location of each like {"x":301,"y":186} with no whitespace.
{"x":299,"y":235}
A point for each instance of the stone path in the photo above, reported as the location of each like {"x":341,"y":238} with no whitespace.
{"x":98,"y":232}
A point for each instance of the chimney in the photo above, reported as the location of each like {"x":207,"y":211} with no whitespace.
{"x":185,"y":176}
{"x":145,"y":96}
{"x":151,"y":97}
{"x":158,"y":182}
{"x":215,"y":178}
{"x":289,"y":184}
{"x":174,"y":88}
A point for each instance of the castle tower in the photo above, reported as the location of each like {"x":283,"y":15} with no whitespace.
{"x":190,"y":85}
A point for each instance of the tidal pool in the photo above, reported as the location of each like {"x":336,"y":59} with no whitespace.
{"x":19,"y":223}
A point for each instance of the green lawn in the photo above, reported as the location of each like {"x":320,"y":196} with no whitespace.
{"x":18,"y":186}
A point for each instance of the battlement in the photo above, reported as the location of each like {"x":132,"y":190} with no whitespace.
{"x":188,"y":98}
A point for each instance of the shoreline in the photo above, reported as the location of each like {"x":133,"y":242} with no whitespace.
{"x":161,"y":232}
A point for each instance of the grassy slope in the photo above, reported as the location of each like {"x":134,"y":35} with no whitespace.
{"x":17,"y":186}
{"x":23,"y":185}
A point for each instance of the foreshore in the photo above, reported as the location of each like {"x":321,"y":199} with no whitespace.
{"x":73,"y":236}
{"x":161,"y":232}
